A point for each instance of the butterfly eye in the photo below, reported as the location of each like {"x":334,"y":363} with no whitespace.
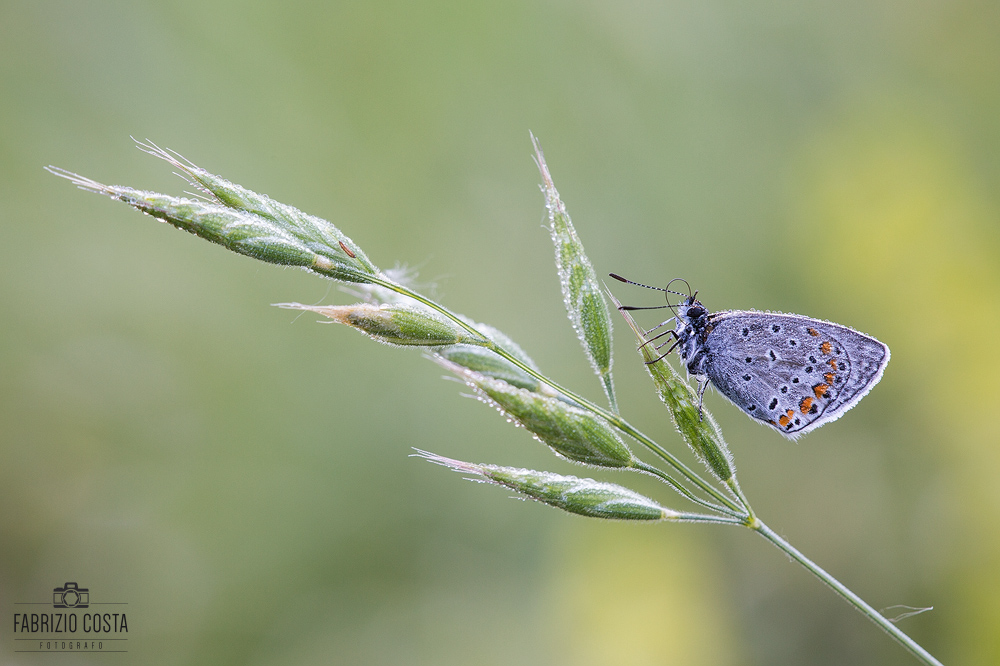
{"x":695,"y":312}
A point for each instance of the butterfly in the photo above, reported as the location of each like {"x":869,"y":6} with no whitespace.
{"x":791,"y":372}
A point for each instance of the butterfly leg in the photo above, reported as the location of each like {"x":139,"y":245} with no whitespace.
{"x":702,"y":385}
{"x":657,"y":336}
{"x":666,"y":353}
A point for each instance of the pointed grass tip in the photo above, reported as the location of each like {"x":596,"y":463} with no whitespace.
{"x":585,"y":497}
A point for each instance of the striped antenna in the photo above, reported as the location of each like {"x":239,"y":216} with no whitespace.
{"x":663,"y":289}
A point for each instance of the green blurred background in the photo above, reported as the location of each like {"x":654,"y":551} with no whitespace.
{"x":240,"y":476}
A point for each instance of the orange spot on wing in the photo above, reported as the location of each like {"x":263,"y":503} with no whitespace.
{"x":826,"y":347}
{"x":820,"y":390}
{"x":833,"y":363}
{"x":812,"y":331}
{"x":805,"y":404}
{"x":783,"y":420}
{"x":829,"y":377}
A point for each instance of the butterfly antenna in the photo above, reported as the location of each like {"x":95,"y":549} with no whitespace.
{"x":666,"y":290}
{"x":643,"y":307}
{"x":686,"y":284}
{"x":638,"y":284}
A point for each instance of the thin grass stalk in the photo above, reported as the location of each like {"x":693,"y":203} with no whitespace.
{"x":845,"y":593}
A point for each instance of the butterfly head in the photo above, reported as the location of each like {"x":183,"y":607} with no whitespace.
{"x":691,"y":312}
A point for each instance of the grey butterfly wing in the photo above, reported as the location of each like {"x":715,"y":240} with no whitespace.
{"x":791,"y":372}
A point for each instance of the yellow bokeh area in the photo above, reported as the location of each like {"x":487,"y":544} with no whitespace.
{"x":636,"y":598}
{"x":909,"y":234}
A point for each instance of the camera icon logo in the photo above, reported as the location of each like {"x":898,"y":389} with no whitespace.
{"x":71,"y":595}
